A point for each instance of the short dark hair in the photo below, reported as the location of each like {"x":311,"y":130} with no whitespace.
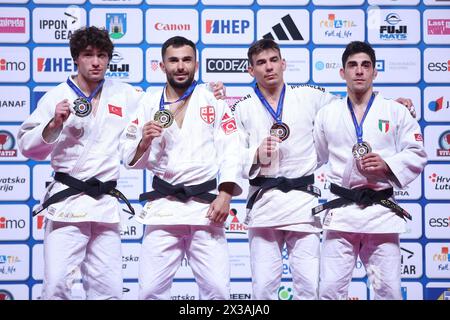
{"x":90,"y":36}
{"x":177,"y":42}
{"x":261,"y":45}
{"x":358,"y":47}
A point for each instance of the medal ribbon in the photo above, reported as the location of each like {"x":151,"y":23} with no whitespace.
{"x":185,"y":95}
{"x":277,"y":115}
{"x":81,"y":94}
{"x":359,"y":127}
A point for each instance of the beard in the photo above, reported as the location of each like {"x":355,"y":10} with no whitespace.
{"x":180,"y":85}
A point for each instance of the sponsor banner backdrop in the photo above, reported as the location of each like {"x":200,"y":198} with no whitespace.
{"x":412,"y":44}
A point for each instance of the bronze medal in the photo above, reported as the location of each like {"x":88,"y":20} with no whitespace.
{"x":280,"y":130}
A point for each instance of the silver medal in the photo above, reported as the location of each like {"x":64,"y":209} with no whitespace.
{"x":82,"y":107}
{"x":360,"y":149}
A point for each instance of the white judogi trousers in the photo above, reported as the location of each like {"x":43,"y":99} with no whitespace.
{"x":163,"y":249}
{"x":379,"y":253}
{"x":266,"y":245}
{"x":92,"y":248}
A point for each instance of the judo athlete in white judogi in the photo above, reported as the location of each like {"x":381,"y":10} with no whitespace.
{"x":281,"y":192}
{"x":79,"y":123}
{"x":371,"y":144}
{"x":192,"y":142}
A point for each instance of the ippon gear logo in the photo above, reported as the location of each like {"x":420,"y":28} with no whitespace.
{"x":281,"y":34}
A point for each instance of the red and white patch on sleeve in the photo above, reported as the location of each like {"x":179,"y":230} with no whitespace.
{"x":418,"y":137}
{"x":135,"y":121}
{"x":208,"y":114}
{"x":115,"y":110}
{"x":228,"y":124}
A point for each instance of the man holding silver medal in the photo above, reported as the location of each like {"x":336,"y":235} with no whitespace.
{"x":188,"y":139}
{"x":371,"y":144}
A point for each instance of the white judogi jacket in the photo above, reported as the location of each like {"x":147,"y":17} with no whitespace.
{"x":85,"y":148}
{"x":394,"y":135}
{"x":297,"y":155}
{"x":206,"y":146}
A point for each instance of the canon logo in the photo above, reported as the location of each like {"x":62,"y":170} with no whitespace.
{"x":172,"y":26}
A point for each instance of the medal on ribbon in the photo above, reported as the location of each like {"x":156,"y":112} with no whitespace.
{"x":279,"y":129}
{"x":82,"y":106}
{"x":360,"y":148}
{"x":165,"y":117}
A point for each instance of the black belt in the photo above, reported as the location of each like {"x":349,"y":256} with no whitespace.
{"x":304,"y":184}
{"x":92,"y":187}
{"x":363,"y":196}
{"x":164,"y":189}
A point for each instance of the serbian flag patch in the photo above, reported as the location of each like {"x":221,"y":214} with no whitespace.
{"x":115,"y":110}
{"x":228,"y":124}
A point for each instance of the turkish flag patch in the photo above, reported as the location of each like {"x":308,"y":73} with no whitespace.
{"x":418,"y":137}
{"x":228,"y":124}
{"x":208,"y":114}
{"x":115,"y":110}
{"x":136,"y":121}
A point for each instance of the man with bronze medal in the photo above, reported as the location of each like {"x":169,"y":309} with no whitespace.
{"x":78,"y":124}
{"x":276,"y":123}
{"x":188,"y":140}
{"x":371,"y":144}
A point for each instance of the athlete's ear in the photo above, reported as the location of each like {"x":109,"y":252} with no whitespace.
{"x":342,"y":73}
{"x":375,"y":73}
{"x":250,"y":70}
{"x":283,"y":64}
{"x":162,"y":66}
{"x":196,"y":66}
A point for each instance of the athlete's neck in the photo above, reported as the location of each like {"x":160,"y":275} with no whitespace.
{"x":360,"y":100}
{"x":272,"y":94}
{"x":173,"y":94}
{"x":86,"y":86}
